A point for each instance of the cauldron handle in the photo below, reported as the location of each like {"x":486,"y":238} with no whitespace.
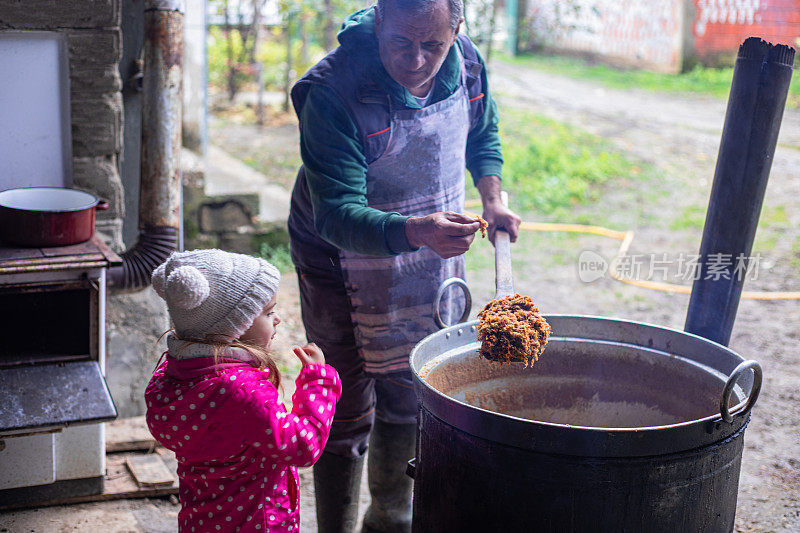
{"x":438,"y":300}
{"x":727,"y":416}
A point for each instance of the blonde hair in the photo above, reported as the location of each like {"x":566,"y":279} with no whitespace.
{"x":220,"y":342}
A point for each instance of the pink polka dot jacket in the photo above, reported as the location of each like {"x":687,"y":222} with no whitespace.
{"x":237,"y":448}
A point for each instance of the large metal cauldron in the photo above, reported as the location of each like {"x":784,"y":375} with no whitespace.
{"x":617,"y":427}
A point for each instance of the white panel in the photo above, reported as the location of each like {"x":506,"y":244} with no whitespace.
{"x":27,"y":461}
{"x":35,"y":140}
{"x":80,"y":452}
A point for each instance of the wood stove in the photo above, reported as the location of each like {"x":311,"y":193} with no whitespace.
{"x":52,"y":365}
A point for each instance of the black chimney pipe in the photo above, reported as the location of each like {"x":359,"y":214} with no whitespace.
{"x":759,"y":88}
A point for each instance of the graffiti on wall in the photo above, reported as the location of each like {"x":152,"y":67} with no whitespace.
{"x":640,"y":32}
{"x":721,"y":25}
{"x":726,"y":12}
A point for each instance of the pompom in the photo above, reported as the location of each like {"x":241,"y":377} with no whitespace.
{"x":158,"y":280}
{"x":187,"y":287}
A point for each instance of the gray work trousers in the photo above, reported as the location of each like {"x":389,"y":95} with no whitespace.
{"x":390,"y":397}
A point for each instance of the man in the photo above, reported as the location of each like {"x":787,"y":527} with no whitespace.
{"x":388,"y":121}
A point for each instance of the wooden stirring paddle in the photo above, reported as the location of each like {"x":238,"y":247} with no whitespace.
{"x":510,"y":327}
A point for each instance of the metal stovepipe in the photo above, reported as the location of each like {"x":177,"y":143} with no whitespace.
{"x":759,"y":88}
{"x":160,"y":191}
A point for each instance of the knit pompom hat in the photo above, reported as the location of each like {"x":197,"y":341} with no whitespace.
{"x":213,"y":291}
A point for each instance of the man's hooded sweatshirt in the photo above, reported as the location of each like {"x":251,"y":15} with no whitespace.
{"x":330,"y":202}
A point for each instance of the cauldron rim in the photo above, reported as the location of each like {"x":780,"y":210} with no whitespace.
{"x":551,"y":436}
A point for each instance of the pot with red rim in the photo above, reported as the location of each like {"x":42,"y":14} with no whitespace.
{"x":47,"y":216}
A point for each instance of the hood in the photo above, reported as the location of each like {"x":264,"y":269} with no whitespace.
{"x":358,"y":32}
{"x":191,"y":360}
{"x":357,"y":36}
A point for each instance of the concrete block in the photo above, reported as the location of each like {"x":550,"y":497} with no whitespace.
{"x":110,"y":231}
{"x":94,"y":48}
{"x":229,"y":214}
{"x":239,"y":243}
{"x":97,"y":125}
{"x":99,"y":175}
{"x":273,"y":234}
{"x":134,"y":323}
{"x":192,"y":169}
{"x":95,"y":80}
{"x":50,"y":14}
{"x":93,"y":61}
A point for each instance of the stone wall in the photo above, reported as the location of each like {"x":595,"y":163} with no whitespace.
{"x":631,"y":33}
{"x":667,"y":36}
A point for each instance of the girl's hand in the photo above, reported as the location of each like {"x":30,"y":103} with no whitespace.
{"x":309,"y":354}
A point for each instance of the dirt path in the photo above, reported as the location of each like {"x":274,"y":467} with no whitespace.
{"x":680,"y":137}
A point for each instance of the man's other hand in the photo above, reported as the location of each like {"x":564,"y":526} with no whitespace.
{"x":499,"y":216}
{"x":447,"y":233}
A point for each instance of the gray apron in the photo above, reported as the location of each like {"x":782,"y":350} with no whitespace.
{"x":421,"y":172}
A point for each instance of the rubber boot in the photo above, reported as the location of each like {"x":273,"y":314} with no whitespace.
{"x":391,"y":446}
{"x":337,"y":481}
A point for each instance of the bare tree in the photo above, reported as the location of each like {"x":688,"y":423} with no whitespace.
{"x":492,"y":25}
{"x":231,"y":64}
{"x":302,"y":29}
{"x":287,"y":88}
{"x":235,"y":60}
{"x":329,"y":34}
{"x":257,"y":66}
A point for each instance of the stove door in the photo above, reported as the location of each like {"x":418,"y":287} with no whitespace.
{"x":53,"y":395}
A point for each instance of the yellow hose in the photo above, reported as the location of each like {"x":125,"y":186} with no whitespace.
{"x":627,"y":238}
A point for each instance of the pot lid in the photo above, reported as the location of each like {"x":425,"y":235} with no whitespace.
{"x":47,"y":199}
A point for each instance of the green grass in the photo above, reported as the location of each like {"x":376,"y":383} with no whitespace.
{"x":693,"y":217}
{"x":767,"y":239}
{"x":702,"y":80}
{"x":773,"y":225}
{"x":278,"y":255}
{"x":774,"y":216}
{"x":550,"y":166}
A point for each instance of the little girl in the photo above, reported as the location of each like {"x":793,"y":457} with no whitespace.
{"x":214,"y":400}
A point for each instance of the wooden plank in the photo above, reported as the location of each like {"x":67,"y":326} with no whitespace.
{"x":95,"y":257}
{"x":504,"y":280}
{"x":110,"y":255}
{"x":25,"y":267}
{"x":15,"y":254}
{"x":82,"y":248}
{"x":149,"y":470}
{"x":121,"y":484}
{"x":168,"y":456}
{"x":129,"y":434}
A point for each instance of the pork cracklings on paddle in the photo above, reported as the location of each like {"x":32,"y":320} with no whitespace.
{"x":512,"y":330}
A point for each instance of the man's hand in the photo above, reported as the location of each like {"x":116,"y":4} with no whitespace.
{"x":499,"y":216}
{"x":447,"y":233}
{"x":495,"y":213}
